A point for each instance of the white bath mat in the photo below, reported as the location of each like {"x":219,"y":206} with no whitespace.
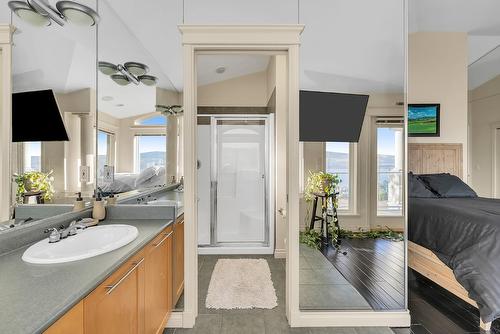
{"x":241,"y":284}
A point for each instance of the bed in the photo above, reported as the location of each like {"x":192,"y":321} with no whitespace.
{"x":123,"y":182}
{"x":454,"y":241}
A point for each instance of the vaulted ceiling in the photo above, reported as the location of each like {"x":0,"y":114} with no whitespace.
{"x":347,"y":45}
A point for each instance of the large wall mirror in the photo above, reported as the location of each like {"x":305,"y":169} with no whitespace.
{"x":352,"y":214}
{"x":139,"y":112}
{"x":54,"y":86}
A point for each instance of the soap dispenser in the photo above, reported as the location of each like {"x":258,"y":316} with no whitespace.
{"x":79,"y":203}
{"x":98,"y":211}
{"x":111,"y":199}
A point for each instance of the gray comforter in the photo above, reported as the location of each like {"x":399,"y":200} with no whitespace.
{"x":465,"y":234}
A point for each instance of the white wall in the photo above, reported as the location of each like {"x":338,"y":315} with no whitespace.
{"x":245,"y":91}
{"x":437,"y":73}
{"x":484,"y":111}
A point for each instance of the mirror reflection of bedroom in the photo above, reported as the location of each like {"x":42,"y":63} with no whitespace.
{"x":454,"y":167}
{"x":139,"y":115}
{"x":352,"y":253}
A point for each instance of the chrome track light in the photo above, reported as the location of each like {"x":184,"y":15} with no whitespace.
{"x":129,"y":72}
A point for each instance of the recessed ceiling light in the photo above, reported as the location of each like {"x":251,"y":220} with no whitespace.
{"x":107,"y":98}
{"x":220,"y":69}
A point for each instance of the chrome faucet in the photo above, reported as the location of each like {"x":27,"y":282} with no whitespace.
{"x":56,"y":235}
{"x":72,"y":229}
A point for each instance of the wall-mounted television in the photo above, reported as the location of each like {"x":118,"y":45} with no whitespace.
{"x":423,"y":120}
{"x":36,"y":117}
{"x":331,"y":117}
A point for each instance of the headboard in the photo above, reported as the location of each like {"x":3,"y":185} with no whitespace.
{"x":435,"y":158}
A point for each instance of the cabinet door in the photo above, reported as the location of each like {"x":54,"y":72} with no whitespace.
{"x":117,"y":305}
{"x":71,"y":322}
{"x":178,"y":271}
{"x":158,"y":275}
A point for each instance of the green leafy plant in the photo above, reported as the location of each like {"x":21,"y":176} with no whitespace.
{"x":310,"y":238}
{"x":34,"y":181}
{"x":381,"y":233}
{"x":320,"y":183}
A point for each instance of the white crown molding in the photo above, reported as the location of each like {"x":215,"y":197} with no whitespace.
{"x":275,"y":35}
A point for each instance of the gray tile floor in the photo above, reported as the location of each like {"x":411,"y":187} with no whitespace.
{"x":322,"y":286}
{"x":258,"y":321}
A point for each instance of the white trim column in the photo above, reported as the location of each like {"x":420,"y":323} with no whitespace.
{"x":5,"y":119}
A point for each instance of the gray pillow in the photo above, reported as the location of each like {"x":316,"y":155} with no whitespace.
{"x":417,"y":188}
{"x":447,"y":185}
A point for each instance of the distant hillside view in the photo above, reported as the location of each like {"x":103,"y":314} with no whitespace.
{"x":339,"y":162}
{"x":155,"y":158}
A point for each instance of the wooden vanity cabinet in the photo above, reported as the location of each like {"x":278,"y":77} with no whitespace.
{"x":178,"y":259}
{"x":117,"y":305}
{"x":158,"y":274}
{"x":71,"y":322}
{"x":136,"y":299}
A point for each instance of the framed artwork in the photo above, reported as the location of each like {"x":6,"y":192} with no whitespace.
{"x":423,"y":120}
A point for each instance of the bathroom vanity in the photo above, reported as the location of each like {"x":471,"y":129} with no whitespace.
{"x":129,"y":290}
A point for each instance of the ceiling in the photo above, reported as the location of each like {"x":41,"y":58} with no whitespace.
{"x":354,"y":46}
{"x":234,"y":65}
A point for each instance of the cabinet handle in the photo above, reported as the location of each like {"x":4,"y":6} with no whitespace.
{"x":181,"y":222}
{"x":114,"y":286}
{"x":162,"y":240}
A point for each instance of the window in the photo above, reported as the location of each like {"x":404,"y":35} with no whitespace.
{"x":105,"y":150}
{"x":151,"y":150}
{"x":157,"y":120}
{"x":338,"y":160}
{"x":32,"y":156}
{"x":389,"y":170}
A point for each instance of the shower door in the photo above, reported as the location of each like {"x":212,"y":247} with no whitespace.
{"x":238,"y":181}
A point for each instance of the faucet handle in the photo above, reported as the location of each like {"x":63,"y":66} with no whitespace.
{"x":54,"y":236}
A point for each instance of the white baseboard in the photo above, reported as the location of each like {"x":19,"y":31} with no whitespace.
{"x":351,"y":319}
{"x":280,"y":253}
{"x":175,"y":320}
{"x":234,"y":250}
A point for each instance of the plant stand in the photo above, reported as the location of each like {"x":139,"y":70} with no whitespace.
{"x":326,"y":218}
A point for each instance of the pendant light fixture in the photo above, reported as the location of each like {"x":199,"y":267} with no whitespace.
{"x":39,"y":13}
{"x":129,"y":72}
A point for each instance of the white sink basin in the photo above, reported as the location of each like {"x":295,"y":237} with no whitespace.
{"x":87,"y":243}
{"x":165,"y":202}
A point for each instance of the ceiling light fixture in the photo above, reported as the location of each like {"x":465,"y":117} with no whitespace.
{"x":129,"y":72}
{"x":40,"y":13}
{"x":174,"y":110}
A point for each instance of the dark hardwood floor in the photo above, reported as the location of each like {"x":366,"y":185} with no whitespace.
{"x":434,"y":310}
{"x":375,"y":267}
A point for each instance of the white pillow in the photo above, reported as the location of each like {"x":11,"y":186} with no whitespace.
{"x":146,"y":174}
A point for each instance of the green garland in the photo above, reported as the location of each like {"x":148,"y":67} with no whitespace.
{"x":312,"y":238}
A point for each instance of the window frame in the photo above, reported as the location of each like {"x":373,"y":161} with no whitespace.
{"x":137,"y":163}
{"x":391,"y":123}
{"x":353,"y":178}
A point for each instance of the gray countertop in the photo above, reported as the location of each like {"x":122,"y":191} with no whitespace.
{"x":32,"y":297}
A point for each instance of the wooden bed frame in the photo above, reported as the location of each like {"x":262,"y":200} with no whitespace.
{"x":437,"y":158}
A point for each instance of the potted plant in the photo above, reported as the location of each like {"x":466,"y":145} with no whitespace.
{"x":32,"y":182}
{"x":318,"y":184}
